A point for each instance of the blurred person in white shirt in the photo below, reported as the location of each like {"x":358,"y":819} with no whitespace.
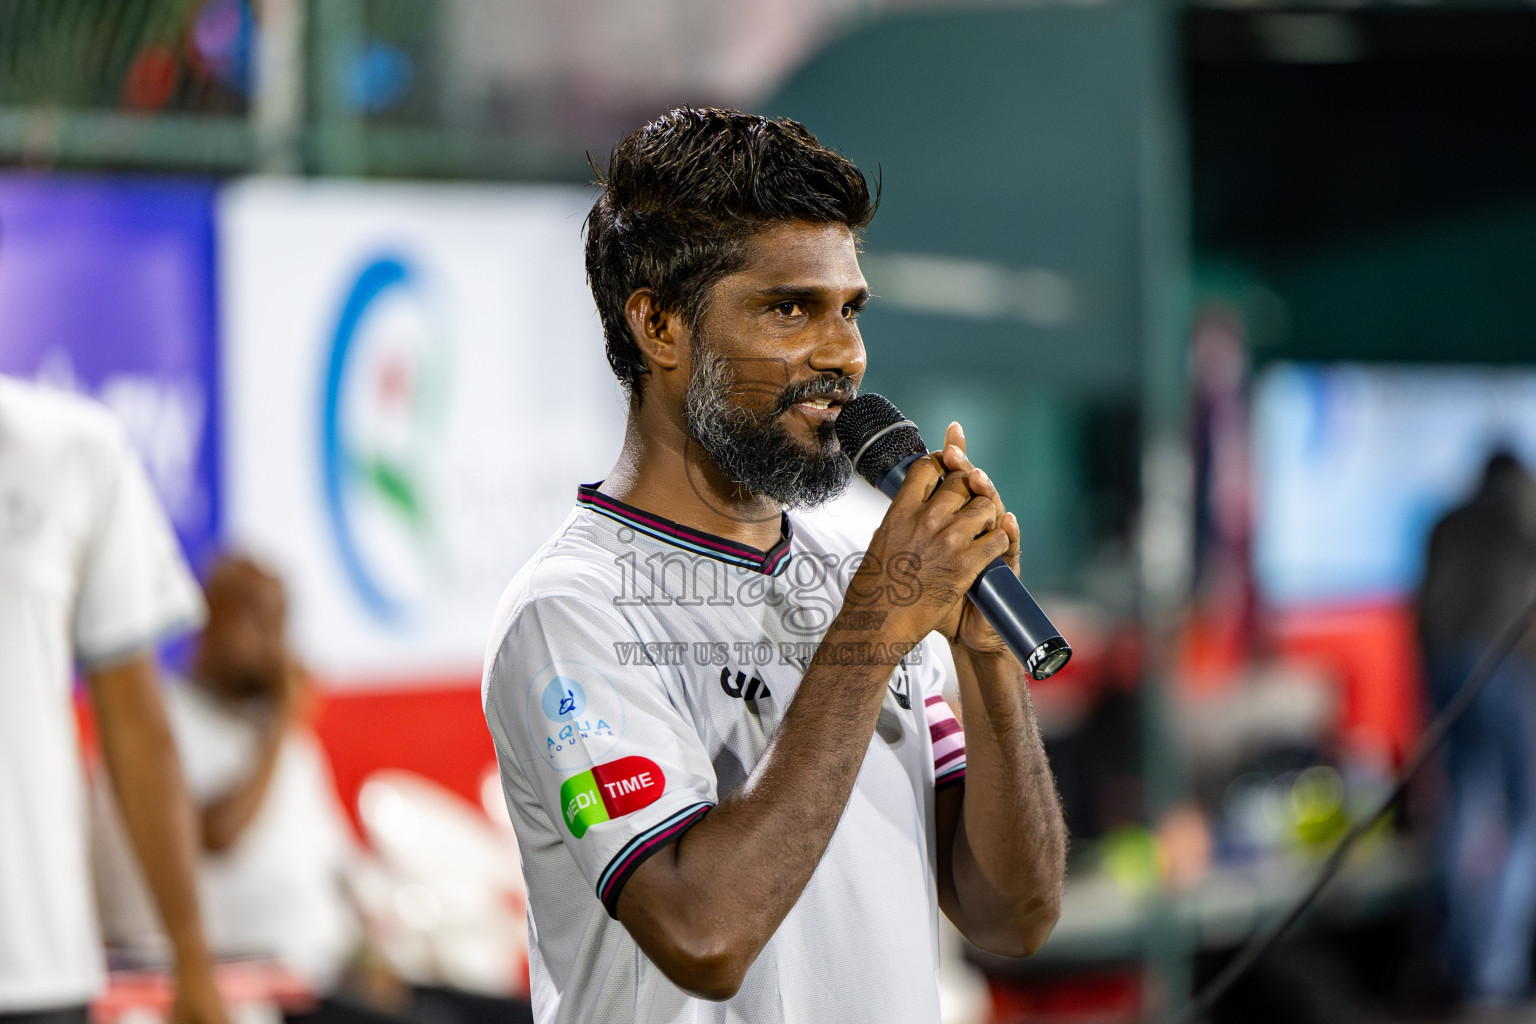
{"x":90,"y":575}
{"x":277,"y":846}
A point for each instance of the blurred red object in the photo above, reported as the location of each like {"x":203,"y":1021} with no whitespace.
{"x":1212,"y":652}
{"x":435,"y":730}
{"x":1372,"y":650}
{"x":1107,"y":997}
{"x":151,"y":79}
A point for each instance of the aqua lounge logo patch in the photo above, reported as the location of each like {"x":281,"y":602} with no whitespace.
{"x":575,"y":723}
{"x":384,"y":406}
{"x":564,"y":699}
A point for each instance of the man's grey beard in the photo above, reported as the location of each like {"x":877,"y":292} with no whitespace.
{"x":753,"y":450}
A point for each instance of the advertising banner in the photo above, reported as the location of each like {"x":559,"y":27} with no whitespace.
{"x":415,"y":384}
{"x":106,"y":288}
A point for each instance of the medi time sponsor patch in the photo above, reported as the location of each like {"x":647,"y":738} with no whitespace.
{"x":610,"y":791}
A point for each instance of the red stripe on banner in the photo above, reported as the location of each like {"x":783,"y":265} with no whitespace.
{"x":1372,"y":649}
{"x":435,"y":729}
{"x":942,"y":761}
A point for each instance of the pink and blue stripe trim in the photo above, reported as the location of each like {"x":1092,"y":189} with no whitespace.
{"x":948,"y":741}
{"x":770,"y":563}
{"x":635,"y":852}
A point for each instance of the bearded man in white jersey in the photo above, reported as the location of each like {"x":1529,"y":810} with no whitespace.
{"x":737,"y":790}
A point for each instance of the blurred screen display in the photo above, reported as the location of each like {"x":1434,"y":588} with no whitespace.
{"x":1353,"y":465}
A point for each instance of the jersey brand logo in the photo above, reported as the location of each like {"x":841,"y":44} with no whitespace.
{"x":901,"y":686}
{"x":610,"y":791}
{"x":739,"y":686}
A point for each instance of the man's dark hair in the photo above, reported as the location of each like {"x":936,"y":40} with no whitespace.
{"x":682,"y":195}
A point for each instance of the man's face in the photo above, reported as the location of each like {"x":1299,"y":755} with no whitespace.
{"x":774,"y":357}
{"x":243,"y":650}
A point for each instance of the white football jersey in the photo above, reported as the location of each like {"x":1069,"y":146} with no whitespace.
{"x":635,"y":674}
{"x":90,"y":573}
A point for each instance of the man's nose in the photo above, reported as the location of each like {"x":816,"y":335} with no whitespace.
{"x":839,"y":350}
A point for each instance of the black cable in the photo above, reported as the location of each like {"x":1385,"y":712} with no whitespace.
{"x":1263,"y":940}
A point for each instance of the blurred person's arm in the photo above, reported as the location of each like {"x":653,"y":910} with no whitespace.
{"x":1002,"y":841}
{"x":134,"y":590}
{"x":223,"y":820}
{"x":146,"y":777}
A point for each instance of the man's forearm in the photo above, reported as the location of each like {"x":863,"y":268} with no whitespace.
{"x":146,"y":776}
{"x":1009,"y":858}
{"x":224,"y":820}
{"x":700,"y":921}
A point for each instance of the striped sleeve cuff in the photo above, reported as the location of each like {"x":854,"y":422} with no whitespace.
{"x":950,"y":777}
{"x":948,"y":742}
{"x":635,"y":852}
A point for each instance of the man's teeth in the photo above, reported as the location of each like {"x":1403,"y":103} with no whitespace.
{"x":818,"y":403}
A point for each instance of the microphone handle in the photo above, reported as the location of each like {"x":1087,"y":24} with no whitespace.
{"x":1003,"y":602}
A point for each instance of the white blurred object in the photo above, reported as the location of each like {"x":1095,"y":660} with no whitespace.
{"x":1288,"y":703}
{"x":963,"y":994}
{"x":449,"y":904}
{"x":493,"y":800}
{"x":643,"y":53}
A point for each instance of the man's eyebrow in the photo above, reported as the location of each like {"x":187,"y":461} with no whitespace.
{"x":806,"y":293}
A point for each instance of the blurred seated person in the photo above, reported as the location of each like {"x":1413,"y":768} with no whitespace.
{"x":1479,"y":574}
{"x":276,"y":843}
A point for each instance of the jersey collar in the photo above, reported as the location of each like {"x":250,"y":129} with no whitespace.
{"x":770,"y":563}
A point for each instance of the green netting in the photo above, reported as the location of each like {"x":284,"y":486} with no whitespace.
{"x":135,"y":55}
{"x":172,"y":84}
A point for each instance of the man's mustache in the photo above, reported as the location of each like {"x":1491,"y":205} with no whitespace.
{"x":839,"y":389}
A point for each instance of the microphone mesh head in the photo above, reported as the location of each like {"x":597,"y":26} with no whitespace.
{"x":863,"y":418}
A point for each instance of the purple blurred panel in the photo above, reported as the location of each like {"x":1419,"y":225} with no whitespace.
{"x":107,"y":287}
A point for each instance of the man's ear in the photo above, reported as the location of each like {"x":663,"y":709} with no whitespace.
{"x":654,"y":329}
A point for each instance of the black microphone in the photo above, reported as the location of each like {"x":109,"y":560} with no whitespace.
{"x":882,"y":444}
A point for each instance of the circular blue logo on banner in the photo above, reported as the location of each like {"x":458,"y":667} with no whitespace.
{"x":383,"y":408}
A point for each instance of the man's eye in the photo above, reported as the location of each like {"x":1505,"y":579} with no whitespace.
{"x":851,"y":311}
{"x":788,"y":308}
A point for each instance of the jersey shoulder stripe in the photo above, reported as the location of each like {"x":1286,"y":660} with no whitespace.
{"x":624,"y":863}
